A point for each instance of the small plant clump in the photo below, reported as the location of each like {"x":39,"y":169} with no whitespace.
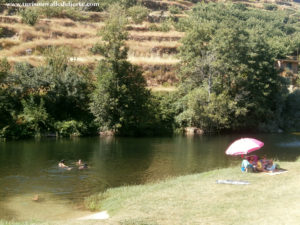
{"x":138,"y":13}
{"x":163,"y":27}
{"x":270,"y":7}
{"x":29,"y":16}
{"x":174,"y":9}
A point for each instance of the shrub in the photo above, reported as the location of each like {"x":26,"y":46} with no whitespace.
{"x":291,"y":113}
{"x":69,"y":128}
{"x":270,"y":7}
{"x":240,"y":6}
{"x":175,"y":9}
{"x":4,"y":69}
{"x":62,"y":12}
{"x":34,"y":116}
{"x":29,"y":16}
{"x":181,"y":25}
{"x":138,"y":13}
{"x":164,"y":27}
{"x":153,"y":27}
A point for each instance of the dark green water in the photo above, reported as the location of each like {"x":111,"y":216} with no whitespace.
{"x":29,"y":167}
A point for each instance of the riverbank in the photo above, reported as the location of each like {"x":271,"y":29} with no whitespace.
{"x":198,"y":199}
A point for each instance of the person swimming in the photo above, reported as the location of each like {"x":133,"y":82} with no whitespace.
{"x":82,"y":167}
{"x":61,"y":164}
{"x":79,"y":163}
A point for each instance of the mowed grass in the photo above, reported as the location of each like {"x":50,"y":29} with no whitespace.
{"x":198,"y":199}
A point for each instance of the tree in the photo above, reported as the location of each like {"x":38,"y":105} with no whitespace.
{"x":35,"y":99}
{"x":4,"y":69}
{"x":34,"y":115}
{"x":228,"y":79}
{"x":120,"y":101}
{"x":5,"y":100}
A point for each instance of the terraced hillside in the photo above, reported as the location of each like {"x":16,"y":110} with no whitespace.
{"x":153,"y":49}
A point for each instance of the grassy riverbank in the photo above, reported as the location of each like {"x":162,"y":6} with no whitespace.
{"x":198,"y":199}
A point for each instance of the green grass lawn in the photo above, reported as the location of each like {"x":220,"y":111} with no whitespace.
{"x":198,"y":199}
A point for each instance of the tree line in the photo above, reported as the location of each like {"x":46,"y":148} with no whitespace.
{"x":228,"y":81}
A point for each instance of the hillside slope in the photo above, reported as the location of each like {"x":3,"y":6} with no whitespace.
{"x":155,"y":51}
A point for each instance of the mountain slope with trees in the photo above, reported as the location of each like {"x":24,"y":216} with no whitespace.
{"x":226,"y":75}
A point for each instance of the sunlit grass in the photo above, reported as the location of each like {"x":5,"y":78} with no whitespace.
{"x":153,"y":60}
{"x":163,"y":89}
{"x":157,"y":33}
{"x":198,"y":199}
{"x":39,"y":44}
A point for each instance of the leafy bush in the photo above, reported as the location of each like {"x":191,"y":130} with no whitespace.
{"x":62,"y":12}
{"x":270,"y":7}
{"x":164,"y":26}
{"x":58,"y":57}
{"x":240,"y":6}
{"x":175,"y":9}
{"x":153,"y":27}
{"x":69,"y":128}
{"x":29,"y":16}
{"x":4,"y":69}
{"x":138,"y":13}
{"x":181,"y":25}
{"x":34,"y":115}
{"x":292,"y":112}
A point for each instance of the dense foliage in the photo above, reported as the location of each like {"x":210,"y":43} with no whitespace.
{"x":228,"y":74}
{"x":36,"y":100}
{"x":121,"y":103}
{"x":138,"y":13}
{"x":29,"y":16}
{"x":228,"y":79}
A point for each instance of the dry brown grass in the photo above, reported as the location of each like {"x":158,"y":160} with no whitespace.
{"x":162,"y":88}
{"x":153,"y":60}
{"x":40,"y":44}
{"x":152,"y":48}
{"x":158,"y":34}
{"x":33,"y":60}
{"x":7,"y":43}
{"x":24,"y":32}
{"x":135,"y":60}
{"x":150,"y":44}
{"x":10,"y":19}
{"x":155,"y":36}
{"x":51,"y":30}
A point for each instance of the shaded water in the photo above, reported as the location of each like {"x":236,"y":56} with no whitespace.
{"x":29,"y":167}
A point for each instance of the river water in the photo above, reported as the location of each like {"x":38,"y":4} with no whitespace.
{"x":29,"y":167}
